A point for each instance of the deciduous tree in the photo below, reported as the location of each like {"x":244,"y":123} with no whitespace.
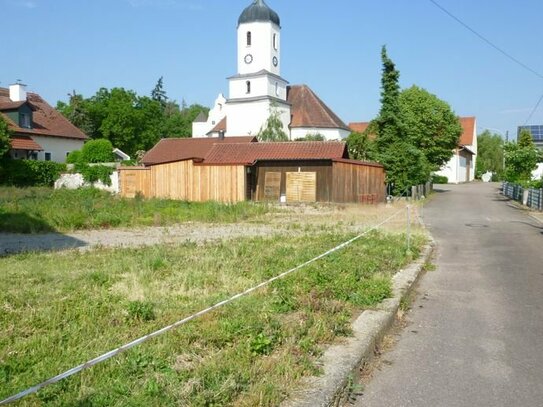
{"x":273,"y":129}
{"x":521,"y":158}
{"x":5,"y":136}
{"x":490,"y":153}
{"x":429,"y":124}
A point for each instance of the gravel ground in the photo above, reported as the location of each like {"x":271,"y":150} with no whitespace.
{"x":293,"y":220}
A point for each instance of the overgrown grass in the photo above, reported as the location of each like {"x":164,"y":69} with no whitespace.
{"x":60,"y":310}
{"x":36,"y":210}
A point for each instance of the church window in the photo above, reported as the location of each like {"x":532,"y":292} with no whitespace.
{"x":249,"y":38}
{"x":248,"y":83}
{"x":275,"y":42}
{"x":276,"y":89}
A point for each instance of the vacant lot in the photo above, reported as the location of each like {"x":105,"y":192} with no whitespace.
{"x":58,"y":310}
{"x":39,"y":210}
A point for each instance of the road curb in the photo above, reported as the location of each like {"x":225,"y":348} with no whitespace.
{"x":341,"y":363}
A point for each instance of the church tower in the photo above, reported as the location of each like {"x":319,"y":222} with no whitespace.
{"x":258,"y":88}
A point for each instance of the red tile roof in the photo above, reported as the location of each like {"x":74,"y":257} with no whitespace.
{"x":248,"y":154}
{"x":309,"y":111}
{"x":359,"y":127}
{"x":46,"y":120}
{"x":24,"y":143}
{"x":176,"y":149}
{"x":221,"y":126}
{"x":468,"y":125}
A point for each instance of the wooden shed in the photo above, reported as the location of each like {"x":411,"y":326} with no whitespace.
{"x":276,"y":172}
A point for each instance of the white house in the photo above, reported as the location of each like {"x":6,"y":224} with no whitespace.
{"x":258,"y":88}
{"x":461,"y":167}
{"x":39,"y":131}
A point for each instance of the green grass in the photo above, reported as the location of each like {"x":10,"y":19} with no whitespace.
{"x":38,"y":210}
{"x":58,"y":310}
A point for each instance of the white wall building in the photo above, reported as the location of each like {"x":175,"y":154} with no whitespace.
{"x":461,"y":167}
{"x":258,"y":89}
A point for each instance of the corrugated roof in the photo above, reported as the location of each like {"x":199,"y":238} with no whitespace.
{"x":46,"y":120}
{"x":247,"y":154}
{"x":175,"y":149}
{"x":310,"y":111}
{"x":468,"y":125}
{"x":24,"y":143}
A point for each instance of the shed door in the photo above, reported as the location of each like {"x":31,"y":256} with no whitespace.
{"x":272,"y":186}
{"x":301,"y":186}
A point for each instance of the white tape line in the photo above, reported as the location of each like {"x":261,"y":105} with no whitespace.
{"x":145,"y":338}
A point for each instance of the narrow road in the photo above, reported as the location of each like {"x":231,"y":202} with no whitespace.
{"x":475,"y":336}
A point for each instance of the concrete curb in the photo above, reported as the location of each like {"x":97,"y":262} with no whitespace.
{"x":340,"y":363}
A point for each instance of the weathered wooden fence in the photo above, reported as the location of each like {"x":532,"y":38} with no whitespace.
{"x":533,"y":198}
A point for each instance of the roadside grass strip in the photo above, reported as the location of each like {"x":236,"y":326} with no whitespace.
{"x":58,"y":310}
{"x":39,"y":210}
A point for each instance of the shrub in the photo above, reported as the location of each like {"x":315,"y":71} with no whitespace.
{"x":440,"y":179}
{"x":95,"y":173}
{"x":74,"y":157}
{"x":26,"y":173}
{"x":97,"y":151}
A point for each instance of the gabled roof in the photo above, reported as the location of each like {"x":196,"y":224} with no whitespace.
{"x":468,"y":125}
{"x":359,"y":127}
{"x":24,"y":143}
{"x":309,"y":111}
{"x":46,"y":120}
{"x":201,"y":118}
{"x":248,"y":154}
{"x":176,"y":149}
{"x":221,"y":126}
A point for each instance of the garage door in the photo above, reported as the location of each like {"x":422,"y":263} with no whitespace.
{"x":301,"y":186}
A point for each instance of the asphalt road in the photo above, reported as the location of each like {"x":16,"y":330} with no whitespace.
{"x":475,"y":336}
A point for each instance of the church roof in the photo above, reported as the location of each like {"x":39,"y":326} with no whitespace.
{"x":201,"y":118}
{"x":259,"y":11}
{"x":179,"y":149}
{"x":308,"y":110}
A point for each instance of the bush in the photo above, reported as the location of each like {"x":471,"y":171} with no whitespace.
{"x":97,"y":151}
{"x":440,"y":179}
{"x":74,"y":157}
{"x":95,"y":173}
{"x":26,"y":173}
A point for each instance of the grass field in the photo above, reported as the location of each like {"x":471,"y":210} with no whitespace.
{"x":58,"y":310}
{"x":37,"y":210}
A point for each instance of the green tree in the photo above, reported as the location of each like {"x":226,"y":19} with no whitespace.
{"x":429,"y":124}
{"x":158,"y":94}
{"x":521,"y":159}
{"x":97,"y":151}
{"x":5,"y":136}
{"x":76,"y":111}
{"x":312,"y":137}
{"x":360,"y":146}
{"x":404,"y":163}
{"x":273,"y":129}
{"x":490,"y":154}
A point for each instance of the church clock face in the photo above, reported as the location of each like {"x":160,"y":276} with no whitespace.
{"x":275,"y":61}
{"x":248,"y":58}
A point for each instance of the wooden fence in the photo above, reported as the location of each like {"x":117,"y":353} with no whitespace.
{"x":185,"y":181}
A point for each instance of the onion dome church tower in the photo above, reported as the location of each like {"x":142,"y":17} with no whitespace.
{"x":258,"y":87}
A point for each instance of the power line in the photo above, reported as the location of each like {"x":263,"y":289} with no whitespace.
{"x":534,"y":110}
{"x":497,"y":48}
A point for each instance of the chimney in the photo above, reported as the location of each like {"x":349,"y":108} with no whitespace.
{"x":221,"y":134}
{"x":17,"y":92}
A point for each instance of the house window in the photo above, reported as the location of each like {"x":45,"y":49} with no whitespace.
{"x":24,"y":121}
{"x":33,"y":155}
{"x":47,"y":156}
{"x":249,"y":38}
{"x":275,"y":42}
{"x":248,"y":83}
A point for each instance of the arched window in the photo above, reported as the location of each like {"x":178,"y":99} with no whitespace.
{"x":249,"y":38}
{"x":275,"y":42}
{"x":248,"y":83}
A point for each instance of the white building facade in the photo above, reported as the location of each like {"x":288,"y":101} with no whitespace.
{"x":258,"y":89}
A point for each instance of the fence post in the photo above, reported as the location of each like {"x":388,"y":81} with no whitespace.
{"x":408,"y":228}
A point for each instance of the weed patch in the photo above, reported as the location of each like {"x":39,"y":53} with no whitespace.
{"x":61,"y":310}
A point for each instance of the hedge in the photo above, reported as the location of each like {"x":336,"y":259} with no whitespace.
{"x":27,"y":173}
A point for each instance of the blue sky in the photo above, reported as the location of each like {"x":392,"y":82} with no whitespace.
{"x":56,"y":46}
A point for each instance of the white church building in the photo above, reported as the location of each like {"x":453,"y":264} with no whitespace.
{"x":258,"y":88}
